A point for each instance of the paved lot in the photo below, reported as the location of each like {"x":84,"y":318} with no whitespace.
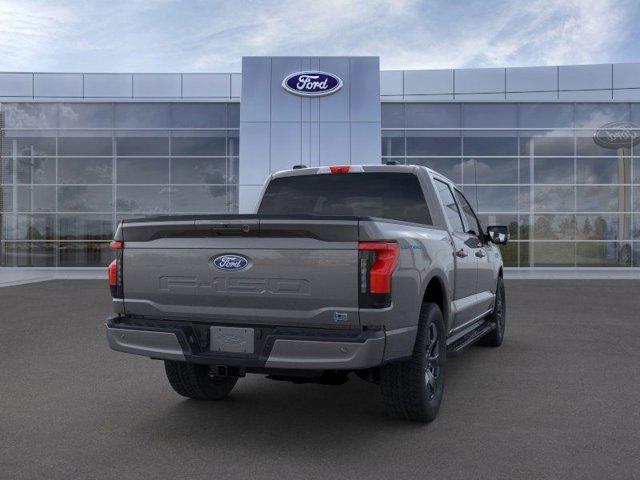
{"x":560,"y":399}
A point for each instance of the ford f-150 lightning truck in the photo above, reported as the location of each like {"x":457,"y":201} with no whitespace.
{"x":377,"y":270}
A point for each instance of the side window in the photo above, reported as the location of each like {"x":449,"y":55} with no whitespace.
{"x":470,"y":217}
{"x":450,"y":207}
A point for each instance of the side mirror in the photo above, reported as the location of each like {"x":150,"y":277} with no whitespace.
{"x":498,"y":234}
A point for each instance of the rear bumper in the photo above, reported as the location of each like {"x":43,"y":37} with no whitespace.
{"x":276,"y":348}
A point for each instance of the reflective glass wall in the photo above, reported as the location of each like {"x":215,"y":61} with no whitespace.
{"x":537,"y":167}
{"x":71,"y":171}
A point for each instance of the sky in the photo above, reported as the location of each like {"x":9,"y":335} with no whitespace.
{"x":212,"y":36}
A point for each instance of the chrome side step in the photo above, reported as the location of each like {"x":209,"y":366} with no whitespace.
{"x":458,"y":345}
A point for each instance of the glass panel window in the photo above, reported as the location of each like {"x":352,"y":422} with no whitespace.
{"x":39,"y":254}
{"x":554,"y":199}
{"x":392,"y":143}
{"x":552,"y":254}
{"x":147,"y":146}
{"x":6,"y":199}
{"x":200,"y":199}
{"x":449,"y":167}
{"x":490,"y":170}
{"x":142,"y":170}
{"x":603,"y":226}
{"x":545,"y":115}
{"x":490,"y":115}
{"x":233,"y":112}
{"x":199,"y":115}
{"x":211,"y":144}
{"x":546,"y":144}
{"x":85,"y":170}
{"x":636,"y":170}
{"x":78,"y":254}
{"x":31,"y":146}
{"x":509,"y":254}
{"x":554,"y":227}
{"x":603,"y":254}
{"x":143,"y":199}
{"x":233,"y":143}
{"x":90,"y":146}
{"x":30,"y":115}
{"x":598,"y":114}
{"x":432,"y":143}
{"x":36,"y":170}
{"x":490,"y":145}
{"x":603,"y":199}
{"x":86,"y":115}
{"x":432,"y":115}
{"x":85,"y":227}
{"x":553,"y":170}
{"x":450,"y":206}
{"x":142,"y":115}
{"x":36,"y":199}
{"x":603,"y":170}
{"x":35,"y":227}
{"x":85,"y":199}
{"x":6,"y":170}
{"x":392,"y":115}
{"x":496,"y":199}
{"x":199,"y":170}
{"x":585,"y":145}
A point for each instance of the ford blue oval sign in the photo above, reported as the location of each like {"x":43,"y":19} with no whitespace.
{"x":312,"y":83}
{"x":229,"y":262}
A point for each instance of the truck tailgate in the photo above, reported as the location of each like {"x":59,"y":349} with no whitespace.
{"x":243,"y":270}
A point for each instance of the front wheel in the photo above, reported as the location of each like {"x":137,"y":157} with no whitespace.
{"x":413,"y":390}
{"x":197,"y":382}
{"x":498,"y":316}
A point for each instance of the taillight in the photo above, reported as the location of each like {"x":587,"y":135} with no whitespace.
{"x":376,"y":263}
{"x":114,"y":271}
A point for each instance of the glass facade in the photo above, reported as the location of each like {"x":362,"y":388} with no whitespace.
{"x":71,"y":171}
{"x":536,"y":167}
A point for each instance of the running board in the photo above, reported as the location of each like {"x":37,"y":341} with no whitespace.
{"x":456,"y":347}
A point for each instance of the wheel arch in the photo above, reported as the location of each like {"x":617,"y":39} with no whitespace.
{"x":436,"y":292}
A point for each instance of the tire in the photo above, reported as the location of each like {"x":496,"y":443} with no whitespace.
{"x":194,"y":381}
{"x":495,"y":337}
{"x":412,"y":390}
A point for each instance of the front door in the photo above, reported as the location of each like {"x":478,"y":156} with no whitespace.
{"x":466,"y":271}
{"x":484,"y":253}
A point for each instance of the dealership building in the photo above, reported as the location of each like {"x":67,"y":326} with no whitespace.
{"x":550,"y":151}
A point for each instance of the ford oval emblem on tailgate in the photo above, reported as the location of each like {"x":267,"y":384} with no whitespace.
{"x":229,"y":262}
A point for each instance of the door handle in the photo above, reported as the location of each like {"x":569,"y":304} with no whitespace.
{"x":480,"y":254}
{"x":461,"y":253}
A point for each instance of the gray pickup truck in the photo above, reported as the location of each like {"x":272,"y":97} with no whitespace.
{"x":377,"y":270}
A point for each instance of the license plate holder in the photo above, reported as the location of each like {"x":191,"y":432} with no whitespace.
{"x":232,"y":339}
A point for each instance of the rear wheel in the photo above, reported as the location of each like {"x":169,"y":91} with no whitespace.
{"x":196,"y":381}
{"x":413,"y":389}
{"x":495,"y":337}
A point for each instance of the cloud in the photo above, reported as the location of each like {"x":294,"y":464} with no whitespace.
{"x":166,"y":35}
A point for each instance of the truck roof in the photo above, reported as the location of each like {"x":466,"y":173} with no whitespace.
{"x":357,"y":168}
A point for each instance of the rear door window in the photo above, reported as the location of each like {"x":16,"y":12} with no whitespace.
{"x":392,"y":195}
{"x":450,"y":206}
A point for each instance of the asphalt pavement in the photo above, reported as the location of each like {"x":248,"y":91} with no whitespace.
{"x":559,"y":400}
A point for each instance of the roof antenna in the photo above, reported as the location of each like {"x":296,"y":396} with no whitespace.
{"x":391,"y":162}
{"x":298,"y":167}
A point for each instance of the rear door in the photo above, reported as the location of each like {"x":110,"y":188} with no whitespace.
{"x":465,"y":260}
{"x":286,"y":272}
